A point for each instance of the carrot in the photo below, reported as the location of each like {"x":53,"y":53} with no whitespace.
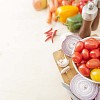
{"x":49,"y":19}
{"x":56,"y":4}
{"x":54,"y":17}
{"x":51,"y":5}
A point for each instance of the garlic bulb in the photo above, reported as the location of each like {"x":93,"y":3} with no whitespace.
{"x":63,"y":62}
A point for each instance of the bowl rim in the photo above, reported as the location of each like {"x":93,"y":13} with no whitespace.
{"x":98,"y":38}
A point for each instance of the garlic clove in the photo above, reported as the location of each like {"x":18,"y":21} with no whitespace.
{"x":65,"y":70}
{"x":63,"y":62}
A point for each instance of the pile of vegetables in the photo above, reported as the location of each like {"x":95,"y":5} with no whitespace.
{"x":86,"y":56}
{"x":61,"y":7}
{"x":68,"y":12}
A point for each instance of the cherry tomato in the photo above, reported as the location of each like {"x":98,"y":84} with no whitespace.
{"x":85,"y":53}
{"x":79,"y":46}
{"x":99,"y":43}
{"x":95,"y":53}
{"x":82,"y":62}
{"x":65,"y":2}
{"x":84,"y":70}
{"x":95,"y":75}
{"x":91,"y":44}
{"x":76,"y":3}
{"x":77,"y":57}
{"x":85,"y":1}
{"x":82,"y":4}
{"x":80,"y":8}
{"x":93,"y":63}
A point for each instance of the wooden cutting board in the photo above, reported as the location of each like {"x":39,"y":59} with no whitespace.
{"x":71,"y":73}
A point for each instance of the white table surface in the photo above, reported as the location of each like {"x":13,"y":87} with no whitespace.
{"x":27,"y":68}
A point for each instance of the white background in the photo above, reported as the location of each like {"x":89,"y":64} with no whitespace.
{"x":27,"y":67}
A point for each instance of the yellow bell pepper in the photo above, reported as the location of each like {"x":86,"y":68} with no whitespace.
{"x":64,"y":12}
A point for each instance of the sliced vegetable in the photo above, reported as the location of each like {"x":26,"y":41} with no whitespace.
{"x":69,"y":43}
{"x":82,"y":88}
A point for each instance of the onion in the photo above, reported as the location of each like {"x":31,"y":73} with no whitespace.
{"x":98,"y":95}
{"x":83,"y":89}
{"x":69,"y":43}
{"x":39,"y":4}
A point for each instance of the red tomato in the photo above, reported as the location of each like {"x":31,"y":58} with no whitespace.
{"x":82,"y":62}
{"x":65,"y":2}
{"x":95,"y":53}
{"x":81,"y":7}
{"x":85,"y":1}
{"x":84,"y":70}
{"x":91,"y":44}
{"x":93,"y":63}
{"x":82,"y":4}
{"x":76,"y":3}
{"x":77,"y":57}
{"x":79,"y":46}
{"x":85,"y":53}
{"x":99,"y":43}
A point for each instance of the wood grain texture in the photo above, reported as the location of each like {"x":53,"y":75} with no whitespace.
{"x":71,"y":73}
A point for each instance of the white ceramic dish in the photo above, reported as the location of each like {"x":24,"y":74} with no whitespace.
{"x":98,"y":38}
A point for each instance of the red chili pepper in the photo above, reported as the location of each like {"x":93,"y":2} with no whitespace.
{"x":48,"y":38}
{"x":54,"y":33}
{"x":47,"y":32}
